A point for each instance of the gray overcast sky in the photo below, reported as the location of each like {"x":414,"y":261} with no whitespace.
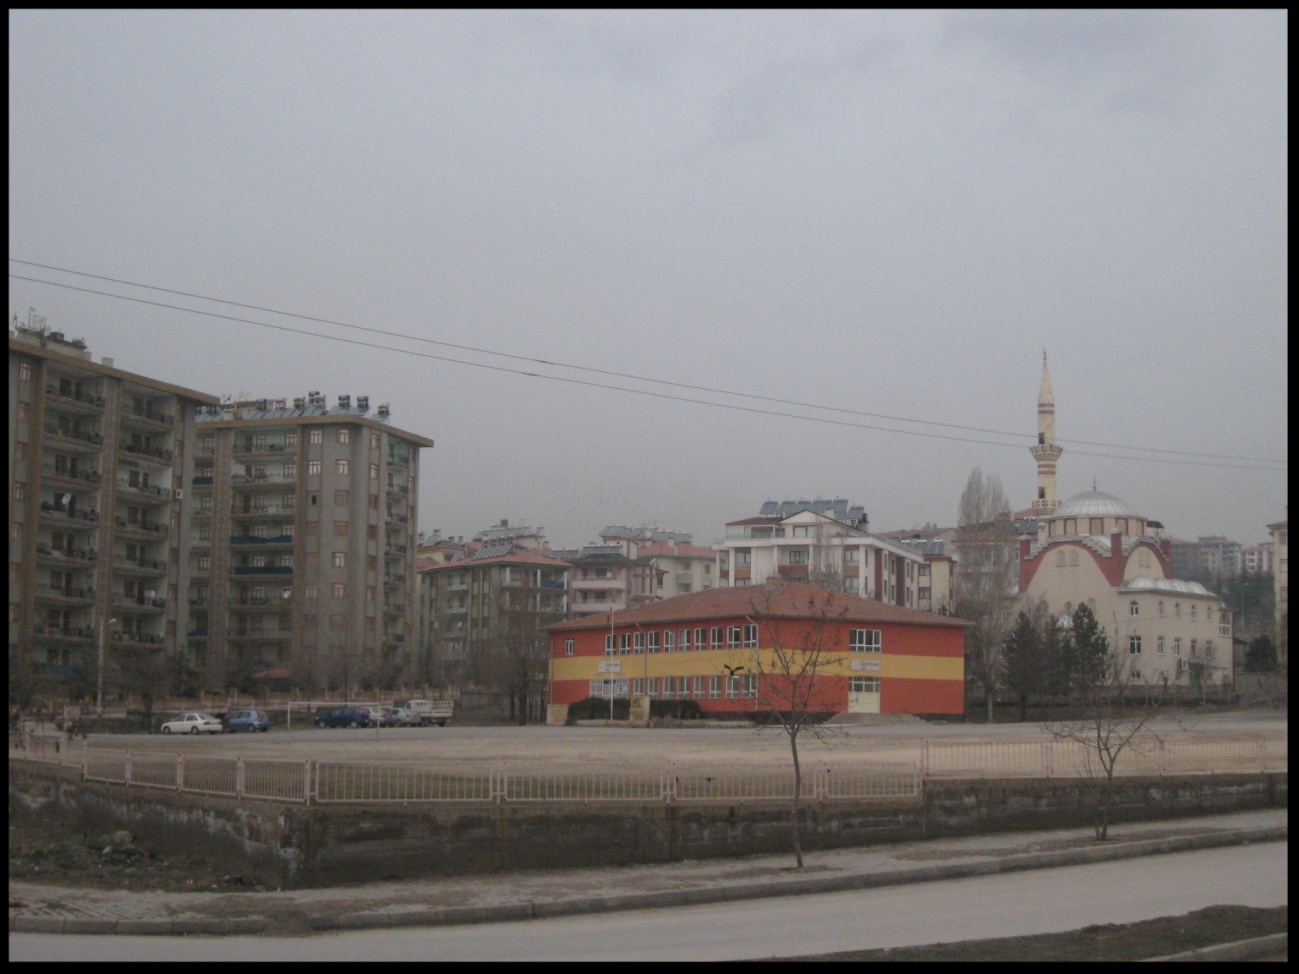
{"x":890,"y":213}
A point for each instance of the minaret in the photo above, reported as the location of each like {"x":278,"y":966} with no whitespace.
{"x":1047,"y":451}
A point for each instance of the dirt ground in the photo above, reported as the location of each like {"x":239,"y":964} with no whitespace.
{"x":1107,"y":942}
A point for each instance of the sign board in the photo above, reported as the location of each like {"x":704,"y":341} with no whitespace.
{"x":866,"y":665}
{"x":640,"y":710}
{"x":610,"y":666}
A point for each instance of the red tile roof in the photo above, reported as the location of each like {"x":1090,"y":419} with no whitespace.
{"x":670,"y":550}
{"x":784,"y":599}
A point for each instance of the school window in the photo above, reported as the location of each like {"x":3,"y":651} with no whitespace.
{"x":624,"y":643}
{"x":701,"y":635}
{"x":342,"y":467}
{"x":568,"y":646}
{"x":865,"y":641}
{"x":608,"y":644}
{"x":732,"y":637}
{"x":732,"y":687}
{"x":683,"y":641}
{"x":639,"y":644}
{"x":750,"y":636}
{"x":715,"y":640}
{"x":654,"y":689}
{"x":653,"y":643}
{"x":714,"y":688}
{"x":1134,"y":645}
{"x":864,"y":684}
{"x":669,"y":640}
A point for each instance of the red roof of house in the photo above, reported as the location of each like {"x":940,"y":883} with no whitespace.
{"x":759,"y":519}
{"x":783,"y":599}
{"x":671,"y":550}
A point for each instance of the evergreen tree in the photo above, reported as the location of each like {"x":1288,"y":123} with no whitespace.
{"x":1089,"y":652}
{"x":1024,"y":672}
{"x":1260,"y":657}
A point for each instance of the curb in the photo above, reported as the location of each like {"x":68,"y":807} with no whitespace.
{"x":1274,"y":943}
{"x":530,"y":910}
{"x":243,"y":925}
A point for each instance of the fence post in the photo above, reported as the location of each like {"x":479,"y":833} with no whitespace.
{"x":239,"y":777}
{"x":128,"y":769}
{"x":1262,"y":754}
{"x":496,"y":785}
{"x":1048,"y":766}
{"x":668,"y":785}
{"x":180,"y":772}
{"x":306,"y":782}
{"x":85,"y":758}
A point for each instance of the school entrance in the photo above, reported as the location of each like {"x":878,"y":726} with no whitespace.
{"x":863,"y":695}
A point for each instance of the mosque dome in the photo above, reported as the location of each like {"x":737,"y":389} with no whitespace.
{"x":1094,"y":503}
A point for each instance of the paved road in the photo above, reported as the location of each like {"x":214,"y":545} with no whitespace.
{"x":997,"y":906}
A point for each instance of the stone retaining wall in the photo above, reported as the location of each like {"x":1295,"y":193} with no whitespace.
{"x":295,"y":845}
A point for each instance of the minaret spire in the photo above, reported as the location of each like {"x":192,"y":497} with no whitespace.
{"x":1046,"y":452}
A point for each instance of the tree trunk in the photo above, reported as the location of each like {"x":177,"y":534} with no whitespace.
{"x":991,"y":699}
{"x":793,"y":818}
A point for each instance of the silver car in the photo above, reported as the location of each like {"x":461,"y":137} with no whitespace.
{"x":193,"y":724}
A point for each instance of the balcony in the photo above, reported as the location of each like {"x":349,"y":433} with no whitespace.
{"x":154,"y":454}
{"x":399,"y":488}
{"x":262,"y":570}
{"x":78,"y":519}
{"x":394,"y":518}
{"x":268,"y":511}
{"x":147,"y":418}
{"x":80,"y":633}
{"x":141,"y":527}
{"x":139,"y":566}
{"x":792,"y":571}
{"x":81,"y":479}
{"x":250,"y":449}
{"x":398,"y":456}
{"x":46,"y":593}
{"x":249,"y":539}
{"x":137,"y":638}
{"x":45,"y":552}
{"x":154,"y":493}
{"x":138,"y":601}
{"x":205,"y":481}
{"x":80,"y":401}
{"x":249,"y":634}
{"x":257,"y":481}
{"x":78,"y":441}
{"x":197,"y":634}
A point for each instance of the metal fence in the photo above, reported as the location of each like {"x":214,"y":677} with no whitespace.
{"x":321,"y":781}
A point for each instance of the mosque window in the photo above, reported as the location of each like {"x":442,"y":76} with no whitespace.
{"x":1133,"y":608}
{"x":1059,"y":558}
{"x":1161,"y":608}
{"x":1177,"y":610}
{"x":1073,"y":557}
{"x":1193,"y":613}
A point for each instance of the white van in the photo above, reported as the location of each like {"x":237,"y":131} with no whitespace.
{"x":431,"y":711}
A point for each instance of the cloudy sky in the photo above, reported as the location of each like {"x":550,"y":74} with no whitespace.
{"x":867,"y":225}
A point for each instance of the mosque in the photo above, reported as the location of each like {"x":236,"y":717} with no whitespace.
{"x":1094,"y":548}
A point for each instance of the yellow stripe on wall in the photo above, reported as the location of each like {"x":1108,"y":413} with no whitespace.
{"x":713,"y":663}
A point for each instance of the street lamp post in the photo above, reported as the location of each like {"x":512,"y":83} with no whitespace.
{"x":99,"y":681}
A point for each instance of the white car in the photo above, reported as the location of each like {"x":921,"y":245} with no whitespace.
{"x":193,"y":724}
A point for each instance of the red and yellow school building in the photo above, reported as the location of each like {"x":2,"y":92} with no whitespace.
{"x":731,"y":649}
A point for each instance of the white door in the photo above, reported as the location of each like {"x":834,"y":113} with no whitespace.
{"x":863,"y":695}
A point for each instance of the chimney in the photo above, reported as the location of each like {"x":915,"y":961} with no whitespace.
{"x":108,"y":361}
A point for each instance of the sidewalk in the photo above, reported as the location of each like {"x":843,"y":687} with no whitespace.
{"x":34,"y":908}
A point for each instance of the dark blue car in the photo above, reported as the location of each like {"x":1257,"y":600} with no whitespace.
{"x":343,"y":717}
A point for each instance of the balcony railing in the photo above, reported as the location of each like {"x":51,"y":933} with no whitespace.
{"x":77,"y":554}
{"x":147,"y":450}
{"x":49,"y":508}
{"x":89,"y":400}
{"x":253,"y":539}
{"x":201,"y":481}
{"x":399,"y":488}
{"x":49,"y":591}
{"x":396,"y":518}
{"x":152,"y":527}
{"x":151,"y":490}
{"x":144,"y":564}
{"x":263,"y":570}
{"x":142,"y":601}
{"x":148,"y":414}
{"x":63,"y":632}
{"x":89,"y":476}
{"x":263,"y":448}
{"x":143,"y":638}
{"x":93,"y":438}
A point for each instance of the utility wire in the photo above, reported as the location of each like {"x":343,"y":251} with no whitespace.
{"x":619,"y":375}
{"x":616,"y":388}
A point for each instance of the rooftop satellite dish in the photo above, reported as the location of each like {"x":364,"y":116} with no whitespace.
{"x":66,"y":498}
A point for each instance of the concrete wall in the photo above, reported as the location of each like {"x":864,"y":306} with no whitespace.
{"x":291,"y":845}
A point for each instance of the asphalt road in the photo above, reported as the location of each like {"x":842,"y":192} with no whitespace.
{"x":1014,"y":904}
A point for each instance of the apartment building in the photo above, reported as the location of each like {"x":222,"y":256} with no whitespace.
{"x":1281,"y":586}
{"x":99,"y":463}
{"x":302,"y":549}
{"x":824,"y":542}
{"x":1206,"y":557}
{"x":682,"y":567}
{"x":483,"y":615}
{"x":604,"y":579}
{"x":1257,"y":558}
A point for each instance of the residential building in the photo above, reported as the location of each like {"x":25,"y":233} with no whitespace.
{"x":1281,"y":586}
{"x":303,"y":545}
{"x":826,"y":542}
{"x":99,"y":462}
{"x":721,"y":648}
{"x":1257,"y":558}
{"x":682,"y":567}
{"x":1206,"y":558}
{"x":482,"y":621}
{"x":604,"y":579}
{"x":521,"y":536}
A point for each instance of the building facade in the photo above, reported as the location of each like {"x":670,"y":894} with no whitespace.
{"x":303,"y":544}
{"x":723,"y":649}
{"x":1206,"y":557}
{"x":99,"y":463}
{"x":682,"y":567}
{"x":1281,"y":587}
{"x":826,"y":542}
{"x":1257,"y":558}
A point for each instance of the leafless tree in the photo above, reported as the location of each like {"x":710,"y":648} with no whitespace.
{"x":801,"y":635}
{"x":986,"y":579}
{"x":146,"y":672}
{"x":1202,"y":662}
{"x":1108,"y":730}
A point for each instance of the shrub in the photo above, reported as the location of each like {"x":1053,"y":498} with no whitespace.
{"x":594,"y":708}
{"x":676,"y":709}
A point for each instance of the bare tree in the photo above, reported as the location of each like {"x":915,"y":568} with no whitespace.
{"x":1202,"y":661}
{"x":1108,"y":730}
{"x":146,"y":672}
{"x":801,"y":637}
{"x":987,"y":578}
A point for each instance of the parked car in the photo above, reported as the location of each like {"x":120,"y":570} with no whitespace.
{"x":400,"y":717}
{"x":343,"y":717}
{"x":192,"y":724}
{"x":247,"y":720}
{"x":382,"y":715}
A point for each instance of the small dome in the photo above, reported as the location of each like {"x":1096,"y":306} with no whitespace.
{"x":1094,"y":503}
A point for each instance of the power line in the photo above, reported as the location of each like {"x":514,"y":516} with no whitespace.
{"x":601,"y":385}
{"x":620,"y":375}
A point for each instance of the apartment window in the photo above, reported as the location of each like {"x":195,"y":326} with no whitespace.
{"x":568,"y":646}
{"x":715,"y":640}
{"x":342,"y":497}
{"x":344,"y":436}
{"x":338,"y":589}
{"x":374,"y":502}
{"x":1208,"y":613}
{"x":798,"y":556}
{"x":1177,"y":646}
{"x":208,"y":443}
{"x":25,"y":371}
{"x":290,"y":471}
{"x":342,"y":467}
{"x":340,"y":559}
{"x":372,"y":562}
{"x":1159,"y":646}
{"x":372,"y":532}
{"x":1193,"y":608}
{"x":1133,"y":608}
{"x":744,"y":557}
{"x":290,"y":441}
{"x":865,"y":641}
{"x":313,"y":529}
{"x":371,"y":594}
{"x":374,"y":440}
{"x":24,"y":411}
{"x":1134,"y":645}
{"x":20,"y":490}
{"x":1177,"y":610}
{"x":316,"y":436}
{"x":311,"y":590}
{"x":288,"y":501}
{"x":204,"y":563}
{"x":340,"y":529}
{"x":374,"y":471}
{"x":313,"y":468}
{"x":732,"y":637}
